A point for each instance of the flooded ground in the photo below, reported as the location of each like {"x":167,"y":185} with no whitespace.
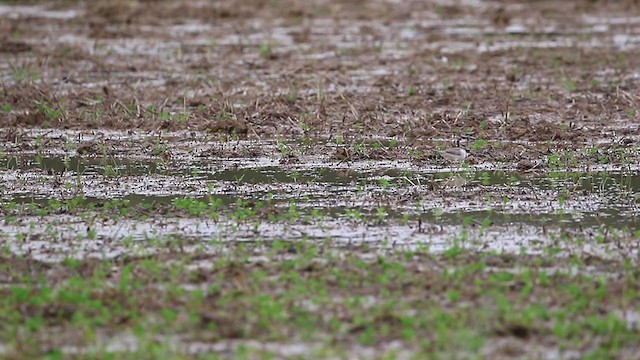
{"x":262,"y":179}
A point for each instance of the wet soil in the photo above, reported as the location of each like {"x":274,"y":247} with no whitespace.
{"x":416,"y":70}
{"x":261,"y":178}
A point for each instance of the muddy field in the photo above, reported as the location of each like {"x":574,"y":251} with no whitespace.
{"x":261,"y":179}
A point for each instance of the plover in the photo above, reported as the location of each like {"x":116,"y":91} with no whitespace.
{"x":454,"y":154}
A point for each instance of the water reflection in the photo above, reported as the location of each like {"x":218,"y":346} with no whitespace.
{"x":572,"y":199}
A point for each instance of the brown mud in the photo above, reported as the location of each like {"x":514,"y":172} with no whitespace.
{"x":543,"y":71}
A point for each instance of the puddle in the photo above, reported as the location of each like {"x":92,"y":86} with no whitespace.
{"x":16,"y":12}
{"x":82,"y":166}
{"x":379,"y":206}
{"x":584,"y":199}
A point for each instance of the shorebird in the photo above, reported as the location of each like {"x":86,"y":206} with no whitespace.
{"x":454,"y":154}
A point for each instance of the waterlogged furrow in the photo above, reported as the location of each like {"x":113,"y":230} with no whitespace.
{"x":396,"y":193}
{"x":66,"y":236}
{"x":94,"y":212}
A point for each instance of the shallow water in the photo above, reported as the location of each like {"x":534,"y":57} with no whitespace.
{"x":501,"y":197}
{"x":381,"y":206}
